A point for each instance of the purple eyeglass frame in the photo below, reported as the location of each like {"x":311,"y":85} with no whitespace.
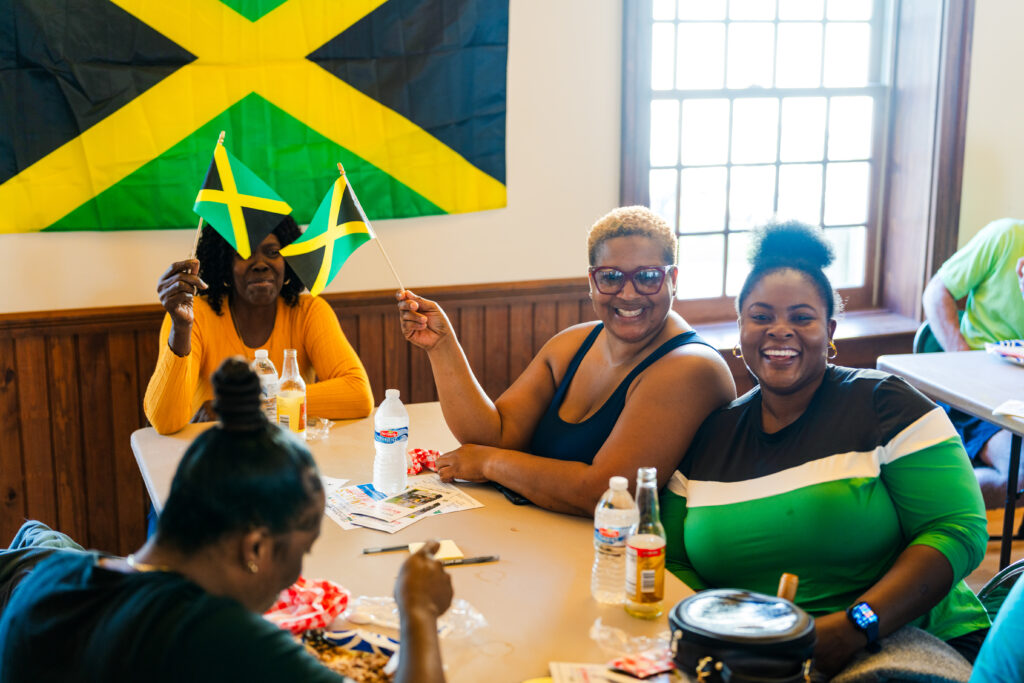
{"x":628,"y":276}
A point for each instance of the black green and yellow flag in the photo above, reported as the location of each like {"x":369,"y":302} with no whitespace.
{"x":237,"y":204}
{"x":338,"y":228}
{"x":107,"y":107}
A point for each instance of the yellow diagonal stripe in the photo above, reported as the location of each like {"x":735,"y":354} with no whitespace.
{"x":246,"y":200}
{"x":234,"y":58}
{"x":325,"y":238}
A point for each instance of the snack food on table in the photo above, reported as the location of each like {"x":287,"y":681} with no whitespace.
{"x":362,"y":667}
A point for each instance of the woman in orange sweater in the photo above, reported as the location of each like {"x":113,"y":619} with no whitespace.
{"x":247,"y":304}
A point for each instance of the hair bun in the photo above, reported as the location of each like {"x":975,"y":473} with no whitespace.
{"x":236,"y":396}
{"x":778,"y":245}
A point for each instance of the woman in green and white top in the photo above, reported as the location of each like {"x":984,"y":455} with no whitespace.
{"x":850,"y":479}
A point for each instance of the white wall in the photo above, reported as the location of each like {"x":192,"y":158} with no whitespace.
{"x":562,"y":147}
{"x":993,"y":185}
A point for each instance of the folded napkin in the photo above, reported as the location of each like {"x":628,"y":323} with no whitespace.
{"x":1011,"y":408}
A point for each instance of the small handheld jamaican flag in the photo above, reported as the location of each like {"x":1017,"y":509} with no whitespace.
{"x":240,"y":206}
{"x":338,"y":228}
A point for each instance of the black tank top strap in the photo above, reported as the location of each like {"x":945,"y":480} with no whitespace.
{"x":675,"y":342}
{"x":574,"y":365}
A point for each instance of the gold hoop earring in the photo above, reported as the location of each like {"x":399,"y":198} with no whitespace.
{"x":737,"y":352}
{"x":833,"y":349}
{"x":253,"y":567}
{"x":287,"y":281}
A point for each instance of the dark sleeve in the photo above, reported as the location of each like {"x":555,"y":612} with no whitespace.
{"x":897,"y":406}
{"x":232,"y":644}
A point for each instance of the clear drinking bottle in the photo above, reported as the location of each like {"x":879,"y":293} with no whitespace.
{"x":614,"y":516}
{"x":645,"y":551}
{"x":291,"y":396}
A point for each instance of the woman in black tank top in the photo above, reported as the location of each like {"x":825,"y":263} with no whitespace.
{"x":601,"y":398}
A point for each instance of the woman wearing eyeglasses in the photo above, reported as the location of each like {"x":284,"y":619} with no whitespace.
{"x":600,"y":398}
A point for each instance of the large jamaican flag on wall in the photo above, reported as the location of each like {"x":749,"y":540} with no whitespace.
{"x":109,"y":108}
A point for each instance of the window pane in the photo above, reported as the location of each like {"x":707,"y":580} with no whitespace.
{"x":702,"y":9}
{"x":851,"y":254}
{"x":700,"y":58}
{"x":752,"y":9}
{"x":800,"y":193}
{"x":798,"y":64}
{"x":664,"y":9}
{"x":750,"y":47}
{"x":849,"y":127}
{"x":700,"y":266}
{"x":664,"y":132}
{"x":751,"y":196}
{"x":755,"y":129}
{"x":738,"y":266}
{"x":705,"y":132}
{"x":801,"y":9}
{"x":662,"y":55}
{"x":663,"y":194}
{"x":702,"y":200}
{"x":846,"y":193}
{"x":847,"y":54}
{"x":850,"y":9}
{"x":803,"y":129}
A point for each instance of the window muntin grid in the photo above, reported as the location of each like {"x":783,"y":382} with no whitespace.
{"x":785,"y":125}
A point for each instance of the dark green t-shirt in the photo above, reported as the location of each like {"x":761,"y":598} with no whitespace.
{"x":73,"y":620}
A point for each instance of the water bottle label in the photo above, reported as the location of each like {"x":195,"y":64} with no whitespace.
{"x":389,"y":436}
{"x":611,"y":536}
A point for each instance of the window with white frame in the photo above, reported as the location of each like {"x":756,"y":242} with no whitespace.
{"x":763,"y":109}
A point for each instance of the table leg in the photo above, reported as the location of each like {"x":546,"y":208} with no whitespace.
{"x":1011,"y":502}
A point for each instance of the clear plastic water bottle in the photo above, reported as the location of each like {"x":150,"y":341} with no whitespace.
{"x":265,"y":370}
{"x":614,"y":515}
{"x":391,"y":441}
{"x":291,"y":396}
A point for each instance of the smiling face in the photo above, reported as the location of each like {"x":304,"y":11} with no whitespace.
{"x":629,"y":315}
{"x":785,"y":331}
{"x":258,"y":279}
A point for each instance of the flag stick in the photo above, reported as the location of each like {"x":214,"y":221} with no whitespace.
{"x":199,"y":228}
{"x":341,"y":170}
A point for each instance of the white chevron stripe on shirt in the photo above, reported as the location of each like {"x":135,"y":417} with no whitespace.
{"x":928,"y":430}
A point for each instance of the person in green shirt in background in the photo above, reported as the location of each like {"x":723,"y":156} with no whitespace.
{"x":989,"y":273}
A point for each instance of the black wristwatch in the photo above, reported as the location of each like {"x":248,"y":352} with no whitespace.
{"x":865,"y":620}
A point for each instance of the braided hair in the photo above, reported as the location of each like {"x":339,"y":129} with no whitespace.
{"x":216,"y":259}
{"x":240,"y":474}
{"x":796,"y":246}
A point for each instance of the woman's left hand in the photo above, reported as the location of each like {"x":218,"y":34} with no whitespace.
{"x":465,"y":462}
{"x":838,"y":641}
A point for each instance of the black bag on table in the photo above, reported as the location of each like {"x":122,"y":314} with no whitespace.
{"x":735,"y":636}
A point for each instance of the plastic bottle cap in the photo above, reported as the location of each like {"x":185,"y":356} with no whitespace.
{"x":391,"y":393}
{"x":261,"y":353}
{"x":618,"y":483}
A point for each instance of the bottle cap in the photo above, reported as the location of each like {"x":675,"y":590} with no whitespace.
{"x":618,"y":483}
{"x":391,"y":393}
{"x":261,"y":353}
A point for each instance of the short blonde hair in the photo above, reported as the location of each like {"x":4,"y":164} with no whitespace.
{"x":632,"y":220}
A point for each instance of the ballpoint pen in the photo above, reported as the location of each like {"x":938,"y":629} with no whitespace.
{"x":470,"y":560}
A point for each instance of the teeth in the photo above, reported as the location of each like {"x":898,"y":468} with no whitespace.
{"x":780,"y":353}
{"x":629,"y":314}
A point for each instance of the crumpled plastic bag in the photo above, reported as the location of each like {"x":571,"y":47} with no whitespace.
{"x":420,"y":459}
{"x":617,"y":643}
{"x":308,"y":603}
{"x":459,"y":621}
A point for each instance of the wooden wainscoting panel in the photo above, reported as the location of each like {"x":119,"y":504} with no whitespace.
{"x":496,"y":331}
{"x":98,"y":443}
{"x":471,"y":331}
{"x":545,"y":323}
{"x":131,"y":500}
{"x":34,"y":409}
{"x":66,"y":425}
{"x":12,"y":474}
{"x":520,"y":339}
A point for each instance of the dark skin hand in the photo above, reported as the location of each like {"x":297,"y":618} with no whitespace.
{"x":176,"y":288}
{"x":205,"y":413}
{"x":423,"y":592}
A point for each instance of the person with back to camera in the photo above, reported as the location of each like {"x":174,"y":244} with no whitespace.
{"x":850,"y":479}
{"x":245,"y":506}
{"x":989,"y":272}
{"x":600,"y":398}
{"x":247,"y":304}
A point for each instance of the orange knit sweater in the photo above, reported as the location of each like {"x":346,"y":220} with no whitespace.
{"x":181,"y":384}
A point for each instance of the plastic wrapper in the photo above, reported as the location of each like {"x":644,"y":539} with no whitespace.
{"x":308,"y":603}
{"x":420,"y":459}
{"x":459,"y":621}
{"x":644,"y":664}
{"x":618,"y":643}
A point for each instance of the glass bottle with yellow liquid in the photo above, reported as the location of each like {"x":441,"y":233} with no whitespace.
{"x":291,"y":396}
{"x":645,"y":551}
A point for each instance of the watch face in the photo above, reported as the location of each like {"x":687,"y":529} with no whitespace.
{"x":863,"y":615}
